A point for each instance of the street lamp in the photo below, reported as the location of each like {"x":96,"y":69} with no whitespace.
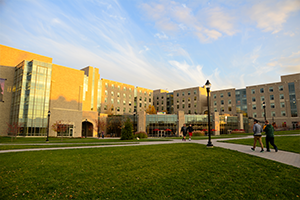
{"x":208,"y":85}
{"x":49,"y":113}
{"x":264,"y":106}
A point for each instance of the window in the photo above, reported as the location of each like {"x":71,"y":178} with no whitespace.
{"x":229,"y":94}
{"x":182,"y":100}
{"x":253,"y":91}
{"x":105,"y":100}
{"x":189,"y":99}
{"x":162,"y":97}
{"x":162,"y":108}
{"x":183,"y":94}
{"x":270,"y":89}
{"x":189,"y":105}
{"x":215,"y":103}
{"x":221,"y":95}
{"x":157,"y":97}
{"x":195,"y":91}
{"x":106,"y":84}
{"x":283,"y":113}
{"x":112,"y":100}
{"x":124,"y":88}
{"x":140,"y":104}
{"x":105,"y":92}
{"x":129,"y":103}
{"x":162,"y":102}
{"x":130,"y":110}
{"x":124,"y":95}
{"x":280,"y":88}
{"x":222,"y":102}
{"x":177,"y":100}
{"x":124,"y":103}
{"x":229,"y":108}
{"x":149,"y":99}
{"x":119,"y":87}
{"x":222,"y":109}
{"x":145,"y":93}
{"x":195,"y":98}
{"x":281,"y":96}
{"x":189,"y":93}
{"x":150,"y":94}
{"x":145,"y":99}
{"x":112,"y":93}
{"x":124,"y":110}
{"x":262,"y":90}
{"x":273,"y":113}
{"x":254,"y":115}
{"x":118,"y":109}
{"x":105,"y":107}
{"x":262,"y":98}
{"x":118,"y":94}
{"x":272,"y":97}
{"x":113,"y":85}
{"x":195,"y":105}
{"x":140,"y":91}
{"x":130,"y":89}
{"x":130,"y":96}
{"x":229,"y":101}
{"x":254,"y":106}
{"x":272,"y":105}
{"x":157,"y":103}
{"x":182,"y":105}
{"x":178,"y":94}
{"x":140,"y":98}
{"x":177,"y":106}
{"x":145,"y":105}
{"x":253,"y":99}
{"x":215,"y":96}
{"x":215,"y":110}
{"x":282,"y":105}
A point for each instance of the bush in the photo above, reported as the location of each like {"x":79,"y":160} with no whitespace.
{"x":126,"y":133}
{"x":198,"y":133}
{"x":141,"y":134}
{"x":237,"y":131}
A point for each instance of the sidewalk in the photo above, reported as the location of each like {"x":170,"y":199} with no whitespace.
{"x":285,"y":157}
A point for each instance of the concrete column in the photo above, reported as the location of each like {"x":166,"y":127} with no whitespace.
{"x":240,"y":121}
{"x":180,"y":121}
{"x":216,"y":123}
{"x":141,"y":121}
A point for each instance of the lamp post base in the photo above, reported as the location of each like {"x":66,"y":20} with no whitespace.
{"x":209,"y":145}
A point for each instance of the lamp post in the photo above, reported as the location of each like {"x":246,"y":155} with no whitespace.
{"x":86,"y":127}
{"x":208,"y":85}
{"x":264,"y":106}
{"x":49,"y":113}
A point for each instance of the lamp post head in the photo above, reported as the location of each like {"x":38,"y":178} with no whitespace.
{"x":264,"y":104}
{"x":207,"y":84}
{"x":49,"y":113}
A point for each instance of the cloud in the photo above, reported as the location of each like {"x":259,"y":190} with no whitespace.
{"x":290,"y":64}
{"x":271,"y":16}
{"x":161,"y":36}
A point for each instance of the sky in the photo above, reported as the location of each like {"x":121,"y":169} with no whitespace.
{"x":161,"y":44}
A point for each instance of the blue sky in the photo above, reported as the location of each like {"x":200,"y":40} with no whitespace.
{"x":161,"y":44}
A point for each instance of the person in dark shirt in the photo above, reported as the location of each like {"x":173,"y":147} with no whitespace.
{"x":190,"y":131}
{"x":269,"y":130}
{"x":184,"y":131}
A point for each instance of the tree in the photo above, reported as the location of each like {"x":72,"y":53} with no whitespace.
{"x":110,"y":109}
{"x":59,"y":127}
{"x":115,"y":124}
{"x":127,"y":131}
{"x":13,"y":129}
{"x":151,"y":109}
{"x":100,"y":124}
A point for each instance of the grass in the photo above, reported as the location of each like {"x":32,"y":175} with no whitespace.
{"x":173,"y":171}
{"x":286,"y":143}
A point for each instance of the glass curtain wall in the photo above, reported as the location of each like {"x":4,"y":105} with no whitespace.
{"x":31,"y":92}
{"x":198,"y":122}
{"x":161,"y":125}
{"x":293,"y":99}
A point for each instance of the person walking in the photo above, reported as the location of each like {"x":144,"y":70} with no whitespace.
{"x":257,"y":136}
{"x":184,"y":131}
{"x":190,"y":131}
{"x":269,"y":130}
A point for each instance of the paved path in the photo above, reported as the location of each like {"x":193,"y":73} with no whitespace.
{"x":285,"y":157}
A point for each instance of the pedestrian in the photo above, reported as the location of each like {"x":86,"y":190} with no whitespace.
{"x":184,"y":131}
{"x":257,"y":136}
{"x":190,"y":130}
{"x":102,"y":134}
{"x":269,"y":130}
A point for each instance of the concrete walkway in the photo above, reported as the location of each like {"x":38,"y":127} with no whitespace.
{"x":285,"y":157}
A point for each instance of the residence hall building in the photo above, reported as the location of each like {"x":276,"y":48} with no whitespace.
{"x":33,"y":85}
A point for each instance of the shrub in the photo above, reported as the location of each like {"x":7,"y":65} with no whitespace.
{"x":237,"y":131}
{"x":198,"y":133}
{"x":141,"y":134}
{"x":127,"y":131}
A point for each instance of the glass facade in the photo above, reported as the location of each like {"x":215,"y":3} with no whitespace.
{"x":156,"y":125}
{"x":241,"y":101}
{"x":30,"y":99}
{"x":293,"y":103}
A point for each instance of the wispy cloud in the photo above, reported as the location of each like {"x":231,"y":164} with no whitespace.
{"x":271,"y":15}
{"x":289,"y":64}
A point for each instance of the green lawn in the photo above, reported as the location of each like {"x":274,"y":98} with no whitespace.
{"x":286,"y":143}
{"x":174,"y":171}
{"x":287,"y":132}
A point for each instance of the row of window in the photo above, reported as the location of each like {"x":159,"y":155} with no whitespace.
{"x":188,"y":93}
{"x":118,"y":109}
{"x":222,"y":95}
{"x":262,"y":90}
{"x":124,"y":88}
{"x":262,"y":98}
{"x":188,"y":105}
{"x":273,"y":114}
{"x":272,"y":105}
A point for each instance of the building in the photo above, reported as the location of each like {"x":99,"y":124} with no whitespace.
{"x":37,"y":91}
